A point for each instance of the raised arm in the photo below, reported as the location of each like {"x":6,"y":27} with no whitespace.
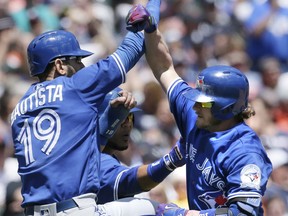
{"x":157,"y":52}
{"x":159,"y":59}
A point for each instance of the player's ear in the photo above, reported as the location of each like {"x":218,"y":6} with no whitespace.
{"x":60,"y":67}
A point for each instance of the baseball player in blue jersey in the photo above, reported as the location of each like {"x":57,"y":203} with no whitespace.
{"x":55,"y":124}
{"x":118,"y":180}
{"x":227,"y":166}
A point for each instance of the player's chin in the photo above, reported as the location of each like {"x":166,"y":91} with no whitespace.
{"x":200,"y":123}
{"x":122,"y":147}
{"x":125,"y":139}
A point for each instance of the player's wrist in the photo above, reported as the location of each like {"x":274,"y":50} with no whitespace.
{"x":158,"y":170}
{"x":176,"y":157}
{"x":151,"y":25}
{"x":169,"y":164}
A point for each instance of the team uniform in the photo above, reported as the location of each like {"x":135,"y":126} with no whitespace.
{"x":227,"y":168}
{"x":55,"y":132}
{"x":117,"y":180}
{"x":221,"y":165}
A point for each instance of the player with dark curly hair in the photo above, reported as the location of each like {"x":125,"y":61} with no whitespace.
{"x":227,"y":166}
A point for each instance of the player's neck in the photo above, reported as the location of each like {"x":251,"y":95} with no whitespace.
{"x":108,"y":150}
{"x":223,"y":125}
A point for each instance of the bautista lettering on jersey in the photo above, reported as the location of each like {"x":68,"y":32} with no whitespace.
{"x":42,"y":95}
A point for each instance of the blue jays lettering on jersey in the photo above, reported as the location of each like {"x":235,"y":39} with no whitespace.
{"x":117,"y":181}
{"x":44,"y":140}
{"x":222,"y":165}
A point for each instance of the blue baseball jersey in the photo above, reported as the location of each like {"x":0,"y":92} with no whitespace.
{"x":54,"y":128}
{"x":117,"y":180}
{"x":220,"y":165}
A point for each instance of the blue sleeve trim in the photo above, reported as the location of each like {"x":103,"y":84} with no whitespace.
{"x":116,"y":185}
{"x":126,"y":184}
{"x":172,"y":86}
{"x":117,"y":59}
{"x":130,"y":51}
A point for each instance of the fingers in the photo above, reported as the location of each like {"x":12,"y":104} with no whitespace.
{"x":130,"y":101}
{"x":126,"y":98}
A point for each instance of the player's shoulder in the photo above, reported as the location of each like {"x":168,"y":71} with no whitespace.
{"x":176,"y":93}
{"x":111,"y":162}
{"x":240,"y":138}
{"x":108,"y":158}
{"x":177,"y":86}
{"x":245,"y":134}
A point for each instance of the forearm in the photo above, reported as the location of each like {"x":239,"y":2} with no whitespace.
{"x":159,"y":59}
{"x":151,"y":175}
{"x":157,"y":53}
{"x":144,"y":180}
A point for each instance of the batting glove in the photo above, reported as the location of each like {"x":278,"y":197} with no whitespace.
{"x":138,"y":19}
{"x":170,"y":209}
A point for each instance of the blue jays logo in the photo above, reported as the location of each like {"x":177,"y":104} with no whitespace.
{"x":213,"y":199}
{"x":204,"y":88}
{"x":200,"y":82}
{"x":250,"y":176}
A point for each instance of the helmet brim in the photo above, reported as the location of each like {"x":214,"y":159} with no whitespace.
{"x":82,"y":53}
{"x":197,"y":96}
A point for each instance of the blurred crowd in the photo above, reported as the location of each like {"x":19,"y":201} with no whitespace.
{"x":251,"y":35}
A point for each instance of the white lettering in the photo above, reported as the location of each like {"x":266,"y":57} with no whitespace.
{"x":202,"y":167}
{"x":192,"y":153}
{"x":40,"y":97}
{"x":210,"y":177}
{"x":58,"y":93}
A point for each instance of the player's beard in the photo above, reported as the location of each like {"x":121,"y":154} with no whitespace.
{"x":207,"y":123}
{"x":119,"y":146}
{"x":70,"y":71}
{"x":120,"y":140}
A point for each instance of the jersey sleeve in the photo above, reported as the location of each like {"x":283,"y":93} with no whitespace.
{"x":117,"y":181}
{"x":248,"y":169}
{"x":96,"y":80}
{"x":111,"y":169}
{"x":128,"y":184}
{"x":181,"y":107}
{"x":131,"y":50}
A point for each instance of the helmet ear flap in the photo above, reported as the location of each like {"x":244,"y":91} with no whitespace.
{"x":223,"y":113}
{"x":227,"y":110}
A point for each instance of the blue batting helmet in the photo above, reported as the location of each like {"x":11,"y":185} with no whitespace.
{"x":50,"y":45}
{"x":225,"y":86}
{"x":110,"y":96}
